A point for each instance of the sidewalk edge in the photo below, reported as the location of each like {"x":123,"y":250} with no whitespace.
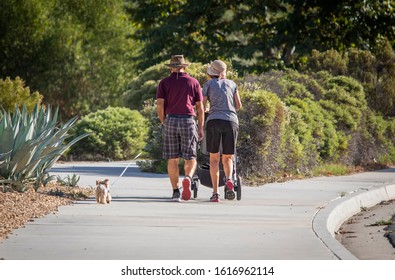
{"x":329,"y":218}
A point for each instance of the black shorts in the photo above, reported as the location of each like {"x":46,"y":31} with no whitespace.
{"x":221,"y":132}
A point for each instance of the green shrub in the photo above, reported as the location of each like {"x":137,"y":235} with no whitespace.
{"x":361,"y":64}
{"x":325,"y":120}
{"x":14,"y":93}
{"x":262,"y":122}
{"x":268,"y":81}
{"x":117,"y":134}
{"x":345,"y":101}
{"x":145,"y":85}
{"x":382,"y":93}
{"x":330,"y":60}
{"x":315,"y":129}
{"x":378,"y":139}
{"x":153,"y":148}
{"x":287,"y":83}
{"x":374,"y":70}
{"x":294,"y":84}
{"x":345,"y":90}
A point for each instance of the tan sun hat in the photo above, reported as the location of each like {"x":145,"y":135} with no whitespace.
{"x":216,"y":68}
{"x":177,"y":61}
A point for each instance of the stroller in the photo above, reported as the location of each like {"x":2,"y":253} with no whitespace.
{"x":202,"y":173}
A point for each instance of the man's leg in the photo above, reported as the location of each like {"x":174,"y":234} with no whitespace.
{"x":189,"y":139}
{"x":190,"y":167}
{"x":173,"y":171}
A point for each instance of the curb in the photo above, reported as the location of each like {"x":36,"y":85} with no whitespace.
{"x":329,"y":218}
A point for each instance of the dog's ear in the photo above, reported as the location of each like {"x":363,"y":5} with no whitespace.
{"x":97,"y":182}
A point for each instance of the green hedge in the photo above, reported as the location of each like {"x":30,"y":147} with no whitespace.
{"x":117,"y":134}
{"x":262,"y":124}
{"x":292,"y":122}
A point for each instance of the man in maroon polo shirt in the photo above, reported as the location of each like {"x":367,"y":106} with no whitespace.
{"x":177,"y":97}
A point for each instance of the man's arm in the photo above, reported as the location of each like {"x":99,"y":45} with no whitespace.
{"x":200,"y":117}
{"x":160,"y":109}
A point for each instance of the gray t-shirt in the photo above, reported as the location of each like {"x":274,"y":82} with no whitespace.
{"x":220,"y":93}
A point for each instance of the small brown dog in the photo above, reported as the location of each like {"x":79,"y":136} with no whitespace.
{"x":103,"y":195}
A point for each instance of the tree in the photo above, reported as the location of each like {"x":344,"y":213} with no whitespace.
{"x":323,"y":25}
{"x":257,"y":35}
{"x":13,"y":93}
{"x":201,"y":30}
{"x":78,"y":54}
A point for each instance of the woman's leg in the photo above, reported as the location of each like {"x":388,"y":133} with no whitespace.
{"x":227,"y":162}
{"x":214,"y":170}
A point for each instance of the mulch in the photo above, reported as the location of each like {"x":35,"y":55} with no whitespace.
{"x":16,"y":209}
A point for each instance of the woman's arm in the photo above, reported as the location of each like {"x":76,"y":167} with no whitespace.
{"x":238,"y":104}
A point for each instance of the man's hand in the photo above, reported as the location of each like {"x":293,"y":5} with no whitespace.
{"x":200,"y":116}
{"x":200,"y":133}
{"x":160,"y":108}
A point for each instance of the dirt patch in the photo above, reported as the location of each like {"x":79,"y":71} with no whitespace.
{"x":19,"y":208}
{"x":369,"y":234}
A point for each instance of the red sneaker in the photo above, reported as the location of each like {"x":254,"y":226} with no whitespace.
{"x":214,"y":198}
{"x":186,"y":188}
{"x":230,"y":190}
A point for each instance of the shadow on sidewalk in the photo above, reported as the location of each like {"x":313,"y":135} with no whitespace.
{"x":140,"y":199}
{"x":101,"y":171}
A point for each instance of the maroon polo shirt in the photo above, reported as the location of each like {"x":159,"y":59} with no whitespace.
{"x":180,"y":92}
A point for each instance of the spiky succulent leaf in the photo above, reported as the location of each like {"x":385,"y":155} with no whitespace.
{"x":31,"y":143}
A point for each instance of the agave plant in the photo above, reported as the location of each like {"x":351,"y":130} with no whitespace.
{"x":69,"y":181}
{"x":30,"y":143}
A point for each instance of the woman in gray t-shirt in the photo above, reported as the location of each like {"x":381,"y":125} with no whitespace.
{"x":222,"y":125}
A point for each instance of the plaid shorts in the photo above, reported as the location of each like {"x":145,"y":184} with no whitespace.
{"x":180,"y":138}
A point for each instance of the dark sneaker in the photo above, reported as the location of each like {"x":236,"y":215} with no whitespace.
{"x":176,"y":195}
{"x":230,"y":190}
{"x":215,"y":198}
{"x":186,"y":188}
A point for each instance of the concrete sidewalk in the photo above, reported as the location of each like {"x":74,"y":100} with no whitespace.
{"x":294,"y":220}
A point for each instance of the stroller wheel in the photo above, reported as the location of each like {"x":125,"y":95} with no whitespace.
{"x":195,"y":188}
{"x":229,"y":195}
{"x":238,"y":189}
